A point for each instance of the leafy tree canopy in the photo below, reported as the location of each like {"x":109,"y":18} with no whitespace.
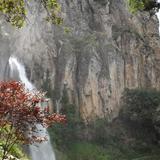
{"x":141,"y":106}
{"x":20,"y":112}
{"x":15,"y":11}
{"x":143,"y":5}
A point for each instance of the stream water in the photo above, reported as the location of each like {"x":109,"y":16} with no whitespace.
{"x":42,"y":151}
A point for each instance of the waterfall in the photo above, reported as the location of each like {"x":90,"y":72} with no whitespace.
{"x":17,"y":68}
{"x":38,"y":151}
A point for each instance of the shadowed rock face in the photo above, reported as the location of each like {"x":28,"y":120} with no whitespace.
{"x":99,"y":50}
{"x":4,"y":49}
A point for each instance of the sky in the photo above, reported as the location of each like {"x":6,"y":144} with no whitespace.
{"x":158,"y":14}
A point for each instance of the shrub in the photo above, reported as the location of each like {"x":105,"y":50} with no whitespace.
{"x":140,"y":105}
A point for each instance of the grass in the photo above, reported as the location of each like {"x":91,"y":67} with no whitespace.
{"x":91,"y":151}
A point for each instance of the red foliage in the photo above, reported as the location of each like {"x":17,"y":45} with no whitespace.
{"x":21,"y":109}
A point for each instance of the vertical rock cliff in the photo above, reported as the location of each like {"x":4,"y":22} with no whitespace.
{"x":99,"y":50}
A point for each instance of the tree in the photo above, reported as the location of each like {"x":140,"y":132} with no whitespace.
{"x":141,"y":106}
{"x":20,"y":112}
{"x":15,"y":11}
{"x":143,"y":5}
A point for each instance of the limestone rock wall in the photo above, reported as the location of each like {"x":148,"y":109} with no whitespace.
{"x":99,"y":50}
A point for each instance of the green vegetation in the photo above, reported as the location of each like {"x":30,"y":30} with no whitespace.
{"x":141,"y":106}
{"x":86,"y":151}
{"x":20,"y":112}
{"x":136,"y":5}
{"x":64,"y":135}
{"x":116,"y":151}
{"x":16,"y":150}
{"x":15,"y":11}
{"x":132,"y":136}
{"x":143,"y":5}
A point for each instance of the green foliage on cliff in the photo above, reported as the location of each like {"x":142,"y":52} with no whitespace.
{"x":135,"y":5}
{"x":131,"y":136}
{"x":141,"y":106}
{"x":65,"y":135}
{"x":15,"y":11}
{"x":143,"y":5}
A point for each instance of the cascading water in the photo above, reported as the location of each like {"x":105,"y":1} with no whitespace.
{"x":42,"y":151}
{"x":17,"y":68}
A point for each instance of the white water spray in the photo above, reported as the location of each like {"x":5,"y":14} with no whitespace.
{"x":42,"y":151}
{"x":15,"y":66}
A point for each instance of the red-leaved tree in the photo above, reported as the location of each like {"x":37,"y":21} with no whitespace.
{"x":20,"y":112}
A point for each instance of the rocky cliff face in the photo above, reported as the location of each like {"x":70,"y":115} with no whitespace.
{"x":99,"y":50}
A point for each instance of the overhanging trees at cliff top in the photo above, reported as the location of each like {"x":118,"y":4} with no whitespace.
{"x":143,"y":5}
{"x":15,"y":11}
